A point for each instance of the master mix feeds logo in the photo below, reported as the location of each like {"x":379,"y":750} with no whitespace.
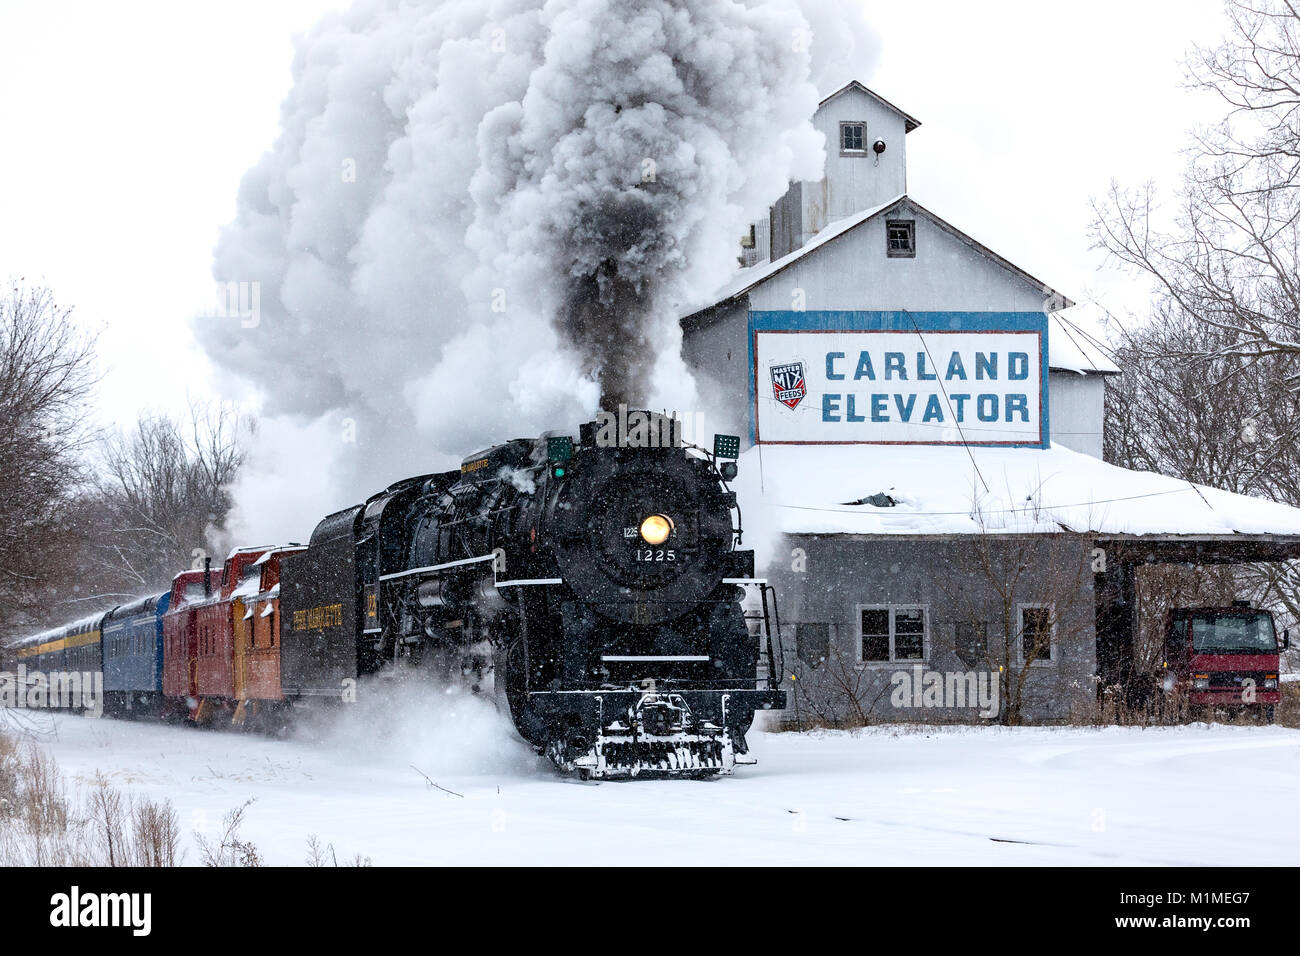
{"x":789,"y":384}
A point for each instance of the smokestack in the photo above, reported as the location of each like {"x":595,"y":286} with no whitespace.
{"x":531,"y":189}
{"x":207,"y":577}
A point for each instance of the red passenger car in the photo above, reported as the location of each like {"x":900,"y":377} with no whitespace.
{"x":255,"y":607}
{"x":183,"y":636}
{"x":222,"y":642}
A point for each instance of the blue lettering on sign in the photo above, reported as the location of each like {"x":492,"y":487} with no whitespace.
{"x":865,"y":369}
{"x":988,"y":407}
{"x":850,"y":413}
{"x":924,"y":393}
{"x":921,"y":373}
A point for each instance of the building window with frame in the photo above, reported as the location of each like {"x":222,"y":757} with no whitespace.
{"x":853,"y":137}
{"x":894,"y":633}
{"x":1037,"y":642}
{"x":901,"y":238}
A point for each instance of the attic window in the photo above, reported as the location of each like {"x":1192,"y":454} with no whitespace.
{"x":853,"y":137}
{"x":901,"y":234}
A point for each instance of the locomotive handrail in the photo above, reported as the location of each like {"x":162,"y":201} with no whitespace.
{"x":437,"y":567}
{"x":771,"y":658}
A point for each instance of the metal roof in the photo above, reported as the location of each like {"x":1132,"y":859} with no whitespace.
{"x":910,"y":122}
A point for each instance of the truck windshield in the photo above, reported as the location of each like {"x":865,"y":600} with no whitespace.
{"x":1233,"y":633}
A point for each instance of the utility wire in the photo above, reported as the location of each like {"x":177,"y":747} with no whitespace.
{"x":943,"y":389}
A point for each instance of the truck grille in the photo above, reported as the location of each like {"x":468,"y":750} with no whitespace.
{"x":1234,"y":680}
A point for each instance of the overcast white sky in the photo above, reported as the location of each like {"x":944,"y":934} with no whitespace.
{"x":126,"y":127}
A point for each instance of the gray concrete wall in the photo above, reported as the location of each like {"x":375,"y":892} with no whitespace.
{"x":954,"y":580}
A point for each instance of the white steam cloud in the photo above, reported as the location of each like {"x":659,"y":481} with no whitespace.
{"x":405,"y":722}
{"x":482,"y":216}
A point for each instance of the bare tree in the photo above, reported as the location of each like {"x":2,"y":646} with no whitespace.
{"x":161,"y":495}
{"x":1211,"y":388}
{"x":46,"y":374}
{"x":1183,"y":407}
{"x":1230,"y":257}
{"x":836,"y":690}
{"x":1016,"y":598}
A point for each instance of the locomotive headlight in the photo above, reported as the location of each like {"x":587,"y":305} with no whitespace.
{"x":656,"y":529}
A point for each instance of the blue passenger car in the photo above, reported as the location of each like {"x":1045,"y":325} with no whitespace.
{"x":56,"y":664}
{"x":133,"y":656}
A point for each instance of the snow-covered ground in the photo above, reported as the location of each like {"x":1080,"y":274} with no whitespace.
{"x":1188,"y":795}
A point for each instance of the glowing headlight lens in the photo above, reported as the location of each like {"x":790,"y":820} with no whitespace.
{"x":656,"y":529}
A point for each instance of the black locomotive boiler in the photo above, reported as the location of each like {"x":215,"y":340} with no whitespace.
{"x":597,"y":585}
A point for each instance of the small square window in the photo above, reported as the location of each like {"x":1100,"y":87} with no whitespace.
{"x":901,"y":235}
{"x":853,"y":137}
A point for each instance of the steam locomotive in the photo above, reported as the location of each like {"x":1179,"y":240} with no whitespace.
{"x":597,"y":586}
{"x":599,"y":583}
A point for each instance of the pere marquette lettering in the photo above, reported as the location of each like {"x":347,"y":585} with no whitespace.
{"x":315,"y":618}
{"x":988,"y":406}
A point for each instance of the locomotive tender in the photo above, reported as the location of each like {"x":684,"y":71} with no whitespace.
{"x":599,"y":583}
{"x":599,"y":586}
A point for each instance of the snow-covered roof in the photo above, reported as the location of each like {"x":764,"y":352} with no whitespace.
{"x":910,"y":122}
{"x":1069,"y":346}
{"x":747,"y":278}
{"x":246,"y":549}
{"x":55,"y":633}
{"x":279,"y":549}
{"x":967,"y":490}
{"x":250,"y":587}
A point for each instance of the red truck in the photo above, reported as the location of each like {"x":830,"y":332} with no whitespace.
{"x":1224,"y":657}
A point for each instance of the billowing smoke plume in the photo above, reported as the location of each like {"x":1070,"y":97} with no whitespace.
{"x":483,"y":217}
